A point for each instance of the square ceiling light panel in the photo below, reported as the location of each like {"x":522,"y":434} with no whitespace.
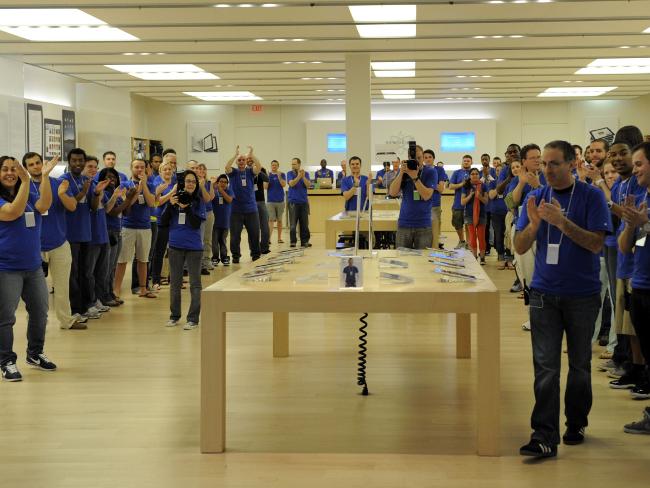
{"x":393,"y":69}
{"x":224,"y":96}
{"x":59,"y":25}
{"x":383,"y":20}
{"x":163,"y":71}
{"x":398,"y":94}
{"x":616,"y":66}
{"x":578,"y":91}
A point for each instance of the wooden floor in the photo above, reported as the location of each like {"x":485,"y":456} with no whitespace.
{"x":123,"y":409}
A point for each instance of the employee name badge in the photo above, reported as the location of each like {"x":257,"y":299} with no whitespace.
{"x":83,"y":199}
{"x":243,"y":182}
{"x":181,"y":218}
{"x":30,"y":219}
{"x":45,"y":214}
{"x":220,"y":200}
{"x":416,"y":195}
{"x":553,"y":254}
{"x":141,"y":199}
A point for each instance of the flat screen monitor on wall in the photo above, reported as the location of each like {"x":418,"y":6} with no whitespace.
{"x":336,"y":143}
{"x":457,"y":141}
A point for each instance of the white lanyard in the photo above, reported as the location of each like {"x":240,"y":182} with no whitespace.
{"x":568,"y":208}
{"x":38,"y":193}
{"x":622,"y":196}
{"x":75,"y":182}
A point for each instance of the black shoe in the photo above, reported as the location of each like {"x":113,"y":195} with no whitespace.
{"x":41,"y":362}
{"x":205,"y":272}
{"x":215,"y":261}
{"x":293,"y":244}
{"x":234,"y":261}
{"x":226,"y":262}
{"x":441,"y":246}
{"x":267,"y":251}
{"x":573,"y":436}
{"x":307,"y":244}
{"x":255,"y":258}
{"x":516,"y":288}
{"x":482,"y":261}
{"x":641,"y":391}
{"x":10,"y":372}
{"x":603,"y":341}
{"x":627,"y":381}
{"x":538,"y":449}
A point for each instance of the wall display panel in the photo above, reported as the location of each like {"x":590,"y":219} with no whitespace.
{"x":53,"y":138}
{"x":69,"y":132}
{"x":34,"y":128}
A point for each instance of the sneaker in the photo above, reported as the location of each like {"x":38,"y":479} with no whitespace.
{"x":640,"y":427}
{"x":641,"y":391}
{"x":573,"y":437}
{"x":205,"y":272}
{"x":482,"y":261}
{"x":607,"y":365}
{"x":226,"y":262}
{"x":255,"y":258}
{"x":616,"y":372}
{"x":307,"y":244}
{"x":627,"y":381}
{"x":79,"y":325}
{"x":538,"y":449}
{"x":234,"y":261}
{"x":516,"y":287}
{"x":525,"y":325}
{"x":115,"y":303}
{"x":209,"y":266}
{"x":441,"y":246}
{"x":10,"y":372}
{"x":190,"y":325}
{"x":41,"y":362}
{"x":460,"y":245}
{"x":266,"y":251}
{"x":215,"y":261}
{"x":293,"y":244}
{"x":171,"y":323}
{"x":101,"y":308}
{"x":92,"y":313}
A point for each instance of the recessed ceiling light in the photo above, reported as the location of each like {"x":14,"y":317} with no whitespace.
{"x":467,"y":60}
{"x":520,"y":1}
{"x":279,"y":40}
{"x":474,"y":76}
{"x":582,"y":91}
{"x":261,"y":40}
{"x":461,"y":76}
{"x":163,"y":71}
{"x":319,"y":90}
{"x":331,"y":78}
{"x":616,"y":66}
{"x":392,"y":65}
{"x":479,"y":37}
{"x":624,"y":47}
{"x":385,"y":13}
{"x":496,"y":1}
{"x":145,"y":54}
{"x":83,"y":33}
{"x":483,"y":60}
{"x":129,"y":54}
{"x":301,"y":62}
{"x":245,"y":5}
{"x":486,"y":76}
{"x":315,"y":62}
{"x":516,"y":36}
{"x":398,"y":94}
{"x":287,"y":62}
{"x":497,"y":37}
{"x":476,"y":88}
{"x":225,"y":96}
{"x":647,"y":31}
{"x":395,"y":74}
{"x":223,"y":5}
{"x":387,"y":30}
{"x":160,"y":54}
{"x":498,"y":60}
{"x":319,"y":78}
{"x":306,"y":78}
{"x":297,"y":40}
{"x":268,"y":5}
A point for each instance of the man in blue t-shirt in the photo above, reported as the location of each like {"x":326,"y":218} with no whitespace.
{"x":417,"y":187}
{"x":110,"y":161}
{"x":350,"y":272}
{"x":634,"y":238}
{"x":379,"y":177}
{"x":436,"y":200}
{"x":275,"y":198}
{"x":323,"y":172}
{"x":298,"y":181}
{"x":456,"y":183}
{"x":244,"y":207}
{"x":567,"y":219}
{"x":487,"y":175}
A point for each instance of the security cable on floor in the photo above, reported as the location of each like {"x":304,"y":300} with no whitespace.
{"x":361,"y":371}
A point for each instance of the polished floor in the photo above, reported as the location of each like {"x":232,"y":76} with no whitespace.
{"x":123,"y":408}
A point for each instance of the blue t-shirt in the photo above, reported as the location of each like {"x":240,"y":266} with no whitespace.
{"x":243,"y":186}
{"x":497,"y":205}
{"x":324,"y":173}
{"x":458,"y":176}
{"x":78,"y":222}
{"x":442,"y":176}
{"x":158,"y":211}
{"x":208,"y":206}
{"x":620,"y":190}
{"x":414,"y":211}
{"x":53,"y":223}
{"x":486,"y":187}
{"x":469,"y":207}
{"x":139,"y":213}
{"x":222,"y":210}
{"x":297,"y":193}
{"x":578,"y":270}
{"x":641,"y":275}
{"x":380,"y":174}
{"x":98,"y":223}
{"x":20,"y":246}
{"x":275,"y":192}
{"x":347,"y":183}
{"x":184,"y":236}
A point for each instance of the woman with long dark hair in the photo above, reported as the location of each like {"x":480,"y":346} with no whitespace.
{"x":474,"y":200}
{"x":185,"y":214}
{"x":21,"y":274}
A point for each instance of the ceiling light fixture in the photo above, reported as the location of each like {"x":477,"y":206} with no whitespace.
{"x":392,"y":65}
{"x":398,"y":94}
{"x":385,"y":13}
{"x":163,"y":71}
{"x":616,"y":66}
{"x":225,"y":96}
{"x":581,"y":91}
{"x":395,"y":73}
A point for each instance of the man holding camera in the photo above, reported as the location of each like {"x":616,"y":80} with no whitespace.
{"x":417,"y":183}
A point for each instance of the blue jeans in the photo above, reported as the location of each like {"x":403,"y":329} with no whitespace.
{"x":499,"y":228}
{"x":31,"y":287}
{"x":98,"y":261}
{"x":550,"y":317}
{"x":237,"y":222}
{"x":299,"y":215}
{"x":263,"y":215}
{"x":113,"y":254}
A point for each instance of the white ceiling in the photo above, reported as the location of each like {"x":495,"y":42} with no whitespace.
{"x":560,"y":38}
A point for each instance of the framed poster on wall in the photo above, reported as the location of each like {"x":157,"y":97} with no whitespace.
{"x":69,"y":132}
{"x":53,"y":143}
{"x":34,"y":128}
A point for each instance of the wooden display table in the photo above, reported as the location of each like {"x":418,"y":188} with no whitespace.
{"x":383,"y":220}
{"x":381,"y":203}
{"x":425,"y":295}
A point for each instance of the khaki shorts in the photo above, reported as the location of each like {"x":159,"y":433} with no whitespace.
{"x":436,"y":214}
{"x":275,"y":209}
{"x":458,"y":219}
{"x":135,"y":242}
{"x":624,"y":324}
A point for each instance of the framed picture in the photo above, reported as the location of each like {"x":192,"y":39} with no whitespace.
{"x":53,"y":138}
{"x":69,"y":132}
{"x":34,"y":128}
{"x":351,"y":272}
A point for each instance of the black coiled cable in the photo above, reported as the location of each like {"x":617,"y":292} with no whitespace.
{"x":361,"y":370}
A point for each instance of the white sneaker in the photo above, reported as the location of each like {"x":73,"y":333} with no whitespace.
{"x":92,"y":313}
{"x":101,"y":307}
{"x":171,"y":323}
{"x":190,"y":326}
{"x":76,"y":319}
{"x":525,"y":325}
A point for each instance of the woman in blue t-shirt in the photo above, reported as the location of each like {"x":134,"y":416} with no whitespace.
{"x":21,"y":274}
{"x":185,"y":214}
{"x":164,"y":191}
{"x":474,"y":200}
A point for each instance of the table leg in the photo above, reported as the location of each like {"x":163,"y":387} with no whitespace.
{"x":330,"y":235}
{"x":463,"y":335}
{"x":280,"y":334}
{"x":488,"y":389}
{"x":213,"y":378}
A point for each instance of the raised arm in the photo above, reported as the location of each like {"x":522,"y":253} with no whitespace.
{"x":228,"y":168}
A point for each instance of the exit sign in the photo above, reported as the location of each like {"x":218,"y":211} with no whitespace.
{"x":257,"y":108}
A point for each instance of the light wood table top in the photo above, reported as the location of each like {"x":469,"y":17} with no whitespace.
{"x":382,"y":220}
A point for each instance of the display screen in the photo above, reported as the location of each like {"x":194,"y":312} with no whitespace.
{"x":457,"y":141}
{"x":336,"y":143}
